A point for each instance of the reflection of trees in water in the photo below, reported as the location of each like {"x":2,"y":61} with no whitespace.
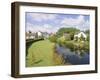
{"x":73,"y":55}
{"x":79,"y":50}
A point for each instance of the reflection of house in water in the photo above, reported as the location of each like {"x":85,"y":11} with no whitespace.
{"x":80,"y":35}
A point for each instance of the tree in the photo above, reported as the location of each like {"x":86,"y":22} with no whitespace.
{"x":71,"y":31}
{"x":88,"y":37}
{"x":82,"y":38}
{"x":53,"y":38}
{"x":61,"y":41}
{"x":87,"y":31}
{"x":88,"y":34}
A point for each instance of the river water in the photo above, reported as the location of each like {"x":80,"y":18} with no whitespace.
{"x":73,"y":57}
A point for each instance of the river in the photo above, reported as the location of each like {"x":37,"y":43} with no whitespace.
{"x":73,"y":57}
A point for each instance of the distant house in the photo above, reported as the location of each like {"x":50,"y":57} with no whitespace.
{"x":30,"y":35}
{"x":52,"y":34}
{"x":66,"y":36}
{"x":80,"y":35}
{"x":45,"y":35}
{"x":39,"y":34}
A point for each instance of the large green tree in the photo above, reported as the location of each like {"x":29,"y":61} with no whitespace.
{"x":71,"y":31}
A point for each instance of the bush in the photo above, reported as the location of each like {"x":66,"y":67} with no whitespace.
{"x":53,"y":38}
{"x":88,"y":38}
{"x":61,"y":41}
{"x":87,"y":46}
{"x":70,"y":45}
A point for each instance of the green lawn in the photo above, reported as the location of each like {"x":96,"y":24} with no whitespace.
{"x":42,"y":53}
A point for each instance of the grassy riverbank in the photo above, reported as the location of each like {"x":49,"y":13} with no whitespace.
{"x":42,"y":53}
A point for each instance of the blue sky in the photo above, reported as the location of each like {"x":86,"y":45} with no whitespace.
{"x":49,"y":22}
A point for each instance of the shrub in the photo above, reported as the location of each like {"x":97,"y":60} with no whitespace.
{"x":88,"y":38}
{"x":69,"y":44}
{"x":61,"y":41}
{"x":53,"y":38}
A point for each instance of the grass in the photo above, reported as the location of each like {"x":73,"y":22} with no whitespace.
{"x":42,"y":53}
{"x":29,"y":43}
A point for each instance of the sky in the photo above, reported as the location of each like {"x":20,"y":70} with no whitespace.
{"x":50,"y":22}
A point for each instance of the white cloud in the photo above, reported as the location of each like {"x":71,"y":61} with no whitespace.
{"x":73,"y":21}
{"x":84,"y":26}
{"x":33,"y":28}
{"x":44,"y":28}
{"x":47,"y":26}
{"x":42,"y":16}
{"x":78,"y":22}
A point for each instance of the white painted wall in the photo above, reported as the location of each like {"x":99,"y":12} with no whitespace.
{"x":5,"y":40}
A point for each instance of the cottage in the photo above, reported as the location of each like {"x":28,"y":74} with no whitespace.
{"x":45,"y":35}
{"x":80,"y":35}
{"x":30,"y":35}
{"x":39,"y":34}
{"x":66,"y":36}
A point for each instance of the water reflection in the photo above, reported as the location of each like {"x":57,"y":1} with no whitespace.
{"x":75,"y":56}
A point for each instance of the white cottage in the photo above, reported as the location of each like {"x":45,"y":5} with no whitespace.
{"x":79,"y":35}
{"x":39,"y":34}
